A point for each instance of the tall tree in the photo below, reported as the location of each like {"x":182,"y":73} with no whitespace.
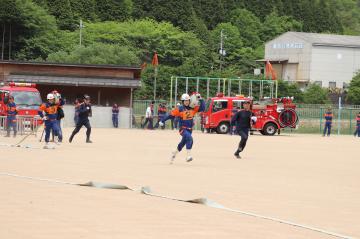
{"x":84,"y":9}
{"x":114,"y":10}
{"x":211,"y":11}
{"x":61,"y":9}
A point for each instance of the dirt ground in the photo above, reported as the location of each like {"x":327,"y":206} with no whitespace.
{"x":306,"y":179}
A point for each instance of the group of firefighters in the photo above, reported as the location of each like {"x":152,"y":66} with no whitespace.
{"x":328,"y":116}
{"x":51,"y":113}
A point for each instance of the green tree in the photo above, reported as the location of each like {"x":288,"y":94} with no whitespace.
{"x":97,"y":53}
{"x":114,"y":10}
{"x":61,"y":9}
{"x":287,"y":89}
{"x":84,"y":9}
{"x":212,"y":12}
{"x":315,"y":94}
{"x":275,"y":25}
{"x":249,"y":27}
{"x":353,"y":95}
{"x":29,"y":31}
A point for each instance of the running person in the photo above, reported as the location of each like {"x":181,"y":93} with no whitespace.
{"x":243,"y":120}
{"x":84,"y":114}
{"x":186,"y":122}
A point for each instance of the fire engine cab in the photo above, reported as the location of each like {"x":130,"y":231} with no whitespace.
{"x":272,"y":114}
{"x":26,"y":97}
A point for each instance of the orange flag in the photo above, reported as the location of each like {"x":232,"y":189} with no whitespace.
{"x":143,"y":66}
{"x":269,"y":71}
{"x":155,"y":61}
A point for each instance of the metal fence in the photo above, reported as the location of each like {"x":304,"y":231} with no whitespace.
{"x":311,"y":117}
{"x":24,"y":125}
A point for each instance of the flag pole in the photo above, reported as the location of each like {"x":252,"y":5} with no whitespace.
{"x":155,"y":74}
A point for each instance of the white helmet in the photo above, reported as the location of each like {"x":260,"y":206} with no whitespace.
{"x":185,"y":97}
{"x":50,"y":96}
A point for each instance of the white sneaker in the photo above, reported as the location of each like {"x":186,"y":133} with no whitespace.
{"x":189,"y":159}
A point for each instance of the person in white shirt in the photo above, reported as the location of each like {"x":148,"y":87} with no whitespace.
{"x":149,"y":116}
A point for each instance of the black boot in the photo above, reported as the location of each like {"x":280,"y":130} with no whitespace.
{"x":71,"y":138}
{"x":237,"y":154}
{"x":88,"y":141}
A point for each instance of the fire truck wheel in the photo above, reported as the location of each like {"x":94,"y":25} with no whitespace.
{"x":270,"y":129}
{"x":223,"y":128}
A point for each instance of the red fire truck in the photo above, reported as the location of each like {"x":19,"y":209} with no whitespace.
{"x":272,"y":114}
{"x":26,"y":96}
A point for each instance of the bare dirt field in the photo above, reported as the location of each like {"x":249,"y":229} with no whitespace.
{"x":306,"y":179}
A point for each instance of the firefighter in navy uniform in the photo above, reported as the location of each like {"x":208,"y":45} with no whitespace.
{"x":84,"y":114}
{"x":243,"y":120}
{"x":11,"y":113}
{"x":328,"y":122}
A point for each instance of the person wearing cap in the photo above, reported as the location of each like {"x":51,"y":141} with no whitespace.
{"x":186,"y":113}
{"x":115,"y":115}
{"x":357,"y":130}
{"x":84,"y":113}
{"x":49,"y":112}
{"x":328,"y":122}
{"x":243,"y":120}
{"x":149,"y":116}
{"x":11,"y":113}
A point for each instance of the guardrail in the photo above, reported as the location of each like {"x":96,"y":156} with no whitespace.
{"x":25,"y":125}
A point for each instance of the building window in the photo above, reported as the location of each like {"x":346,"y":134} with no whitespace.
{"x":319,"y":83}
{"x":332,"y":84}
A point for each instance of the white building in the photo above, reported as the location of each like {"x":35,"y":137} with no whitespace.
{"x":328,"y":60}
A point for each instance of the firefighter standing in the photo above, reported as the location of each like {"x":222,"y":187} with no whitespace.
{"x":84,"y":114}
{"x":186,"y":123}
{"x":115,"y":115}
{"x":60,"y":114}
{"x":11,"y":113}
{"x":328,"y":122}
{"x":50,"y":109}
{"x":243,"y":120}
{"x":357,"y":130}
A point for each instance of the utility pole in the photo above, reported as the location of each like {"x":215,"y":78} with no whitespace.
{"x":222,"y":51}
{"x":81,"y":26}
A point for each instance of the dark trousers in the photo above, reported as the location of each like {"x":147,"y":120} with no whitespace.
{"x":150,"y":125}
{"x":357,"y":131}
{"x":160,"y":117}
{"x":51,"y":125}
{"x":244,"y":134}
{"x":11,"y":123}
{"x":79,"y":125}
{"x":186,"y":139}
{"x":59,"y":130}
{"x":115,"y":120}
{"x":327,"y":129}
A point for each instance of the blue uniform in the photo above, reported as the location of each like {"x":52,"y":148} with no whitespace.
{"x":51,"y":123}
{"x":11,"y":113}
{"x":115,"y":116}
{"x":186,"y":123}
{"x":328,"y":122}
